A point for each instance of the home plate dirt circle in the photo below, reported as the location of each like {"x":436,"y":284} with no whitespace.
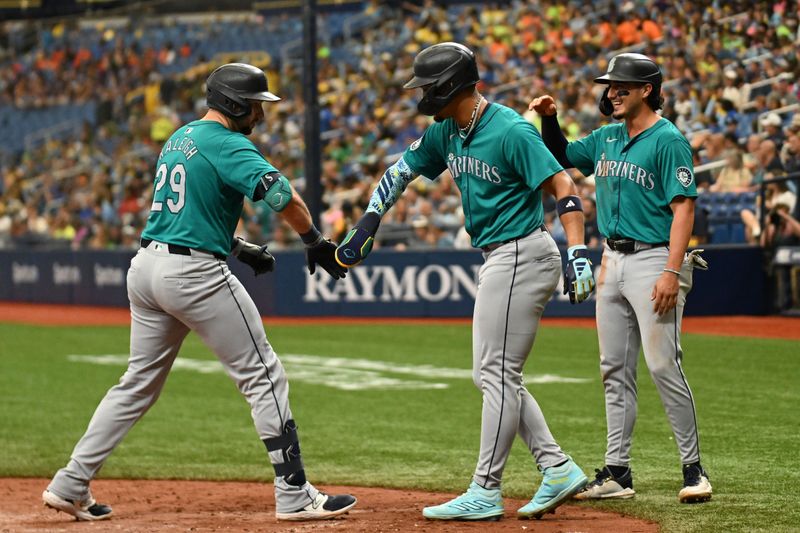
{"x":200,"y":506}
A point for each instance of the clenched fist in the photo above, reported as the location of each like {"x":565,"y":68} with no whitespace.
{"x":544,"y":105}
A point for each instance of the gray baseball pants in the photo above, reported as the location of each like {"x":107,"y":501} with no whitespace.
{"x":625,"y":322}
{"x":170,"y":295}
{"x":515,"y":283}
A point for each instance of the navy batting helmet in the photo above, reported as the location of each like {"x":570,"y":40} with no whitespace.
{"x":443,"y":70}
{"x":230,"y":86}
{"x":632,"y":68}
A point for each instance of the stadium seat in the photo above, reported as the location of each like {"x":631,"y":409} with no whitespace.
{"x":737,"y":233}
{"x":719,"y":212}
{"x":720,"y":233}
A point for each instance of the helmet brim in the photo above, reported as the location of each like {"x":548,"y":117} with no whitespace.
{"x":420,"y":81}
{"x":610,"y":78}
{"x":264,"y":96}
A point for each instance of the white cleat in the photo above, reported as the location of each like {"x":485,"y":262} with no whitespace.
{"x":607,"y":486}
{"x":88,"y":509}
{"x":696,"y":487}
{"x":323,"y":507}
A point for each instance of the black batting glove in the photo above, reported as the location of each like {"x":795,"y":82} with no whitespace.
{"x":323,"y":253}
{"x":257,"y":257}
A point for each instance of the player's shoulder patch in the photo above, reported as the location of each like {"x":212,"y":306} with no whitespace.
{"x":684,"y":175}
{"x":415,"y":144}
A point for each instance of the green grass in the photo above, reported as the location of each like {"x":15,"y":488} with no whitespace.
{"x":746,"y":392}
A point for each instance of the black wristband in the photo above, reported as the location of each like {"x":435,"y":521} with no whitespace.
{"x":311,"y":237}
{"x":567,"y":204}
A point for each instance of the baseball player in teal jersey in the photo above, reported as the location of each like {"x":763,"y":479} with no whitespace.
{"x":500,"y":165}
{"x":179,"y":281}
{"x":645,"y":190}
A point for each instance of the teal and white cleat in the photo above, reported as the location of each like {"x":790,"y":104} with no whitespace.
{"x":475,"y":504}
{"x":558,"y":485}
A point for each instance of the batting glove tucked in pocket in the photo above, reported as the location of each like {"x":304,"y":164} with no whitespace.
{"x":578,"y":277}
{"x":257,"y":257}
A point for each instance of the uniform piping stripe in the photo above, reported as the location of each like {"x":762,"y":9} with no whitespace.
{"x":503,"y":366}
{"x":255,"y":345}
{"x":625,"y":374}
{"x":685,"y":383}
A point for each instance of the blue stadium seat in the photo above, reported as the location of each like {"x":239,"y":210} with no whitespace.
{"x":720,"y":233}
{"x":730,"y":198}
{"x":719,"y":211}
{"x":737,"y":233}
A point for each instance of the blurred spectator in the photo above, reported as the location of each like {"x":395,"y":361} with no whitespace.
{"x":733,"y":177}
{"x":771,"y":122}
{"x":790,"y":153}
{"x":777,"y":197}
{"x":126,"y":72}
{"x":768,"y":162}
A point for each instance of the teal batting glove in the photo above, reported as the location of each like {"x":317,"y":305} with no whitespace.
{"x":578,"y":277}
{"x":357,"y":245}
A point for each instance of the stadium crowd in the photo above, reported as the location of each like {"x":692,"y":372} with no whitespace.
{"x":731,"y":74}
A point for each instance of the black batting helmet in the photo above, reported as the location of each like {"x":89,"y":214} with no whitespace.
{"x":230,"y":86}
{"x":632,"y":68}
{"x":447,"y":68}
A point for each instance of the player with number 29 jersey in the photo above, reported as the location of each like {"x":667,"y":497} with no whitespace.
{"x":203,"y":168}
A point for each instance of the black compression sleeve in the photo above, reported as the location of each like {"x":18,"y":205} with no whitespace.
{"x":555,"y":141}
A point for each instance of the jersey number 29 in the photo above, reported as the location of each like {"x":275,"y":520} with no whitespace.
{"x":177,"y":184}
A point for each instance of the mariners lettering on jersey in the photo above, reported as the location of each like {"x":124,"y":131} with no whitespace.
{"x":464,"y":164}
{"x":183,"y":144}
{"x":624,"y":169}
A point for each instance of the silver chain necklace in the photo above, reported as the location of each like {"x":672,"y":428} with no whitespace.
{"x":466,"y":130}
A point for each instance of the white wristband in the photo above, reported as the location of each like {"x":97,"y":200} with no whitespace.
{"x":676,"y":272}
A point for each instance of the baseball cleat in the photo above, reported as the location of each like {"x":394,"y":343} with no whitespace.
{"x":558,"y":485}
{"x":475,"y":504}
{"x":696,"y":487}
{"x":323,"y":507}
{"x":87,"y":509}
{"x":606,"y":485}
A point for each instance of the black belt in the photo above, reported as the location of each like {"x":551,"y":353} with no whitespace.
{"x":631,"y":246}
{"x":495,"y":245}
{"x":182,"y":250}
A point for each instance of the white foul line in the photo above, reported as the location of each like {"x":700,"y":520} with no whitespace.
{"x":338,"y":372}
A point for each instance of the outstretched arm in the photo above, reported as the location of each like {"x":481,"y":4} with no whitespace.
{"x":392,"y":184}
{"x":552,"y":135}
{"x":358,"y":242}
{"x":319,"y":250}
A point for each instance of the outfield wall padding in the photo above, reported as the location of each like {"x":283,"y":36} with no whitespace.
{"x":401,"y":284}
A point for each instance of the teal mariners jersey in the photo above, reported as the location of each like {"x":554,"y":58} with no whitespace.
{"x":636,"y":179}
{"x":203,"y":173}
{"x":499,"y":171}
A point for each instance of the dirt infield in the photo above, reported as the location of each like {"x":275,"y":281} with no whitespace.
{"x":198,"y":506}
{"x":767,"y":327}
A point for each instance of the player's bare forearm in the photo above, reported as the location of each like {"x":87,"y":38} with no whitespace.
{"x":560,"y":185}
{"x":296,"y":214}
{"x":573,"y":227}
{"x":680,"y":231}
